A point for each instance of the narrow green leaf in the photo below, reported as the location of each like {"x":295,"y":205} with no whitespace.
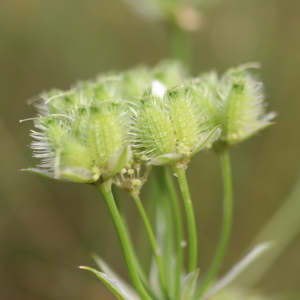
{"x":40,"y":172}
{"x":112,"y":274}
{"x":287,"y":214}
{"x":237,"y":269}
{"x":154,"y":278}
{"x":112,"y":284}
{"x":189,"y":285}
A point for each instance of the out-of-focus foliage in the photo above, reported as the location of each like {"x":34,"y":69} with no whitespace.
{"x":235,"y":294}
{"x":186,"y":14}
{"x":47,"y":228}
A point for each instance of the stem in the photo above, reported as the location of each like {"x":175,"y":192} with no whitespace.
{"x":226,"y":227}
{"x":164,"y":227}
{"x":138,"y":266}
{"x":156,"y":250}
{"x":180,"y":172}
{"x":178,"y":229}
{"x":105,"y":190}
{"x":179,"y":44}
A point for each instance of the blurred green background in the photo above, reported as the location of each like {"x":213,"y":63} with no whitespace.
{"x":48,"y":228}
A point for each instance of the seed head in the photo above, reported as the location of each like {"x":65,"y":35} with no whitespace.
{"x":143,"y":81}
{"x":237,"y":100}
{"x":171,"y":128}
{"x":86,"y":134}
{"x":87,"y":140}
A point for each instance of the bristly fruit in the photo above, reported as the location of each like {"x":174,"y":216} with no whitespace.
{"x":86,"y":141}
{"x":237,"y":100}
{"x":171,"y":129}
{"x":86,"y":134}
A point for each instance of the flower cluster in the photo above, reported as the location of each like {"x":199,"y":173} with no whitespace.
{"x":236,"y":100}
{"x":115,"y":128}
{"x":120,"y":124}
{"x":81,"y":139}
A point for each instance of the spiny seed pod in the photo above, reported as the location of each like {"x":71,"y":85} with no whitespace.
{"x":75,"y":163}
{"x":171,"y":130}
{"x":154,"y":131}
{"x":186,"y":119}
{"x":63,"y":157}
{"x":105,"y":135}
{"x":82,"y":144}
{"x":205,"y":89}
{"x":54,"y":102}
{"x":105,"y":87}
{"x":143,"y":81}
{"x":135,"y":82}
{"x":170,"y":73}
{"x":237,"y":100}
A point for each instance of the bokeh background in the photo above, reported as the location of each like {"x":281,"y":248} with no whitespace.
{"x":48,"y":228}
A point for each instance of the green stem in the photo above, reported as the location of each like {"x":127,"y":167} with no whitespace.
{"x":164,"y":228}
{"x":105,"y":190}
{"x":180,"y":172}
{"x":226,"y":228}
{"x":156,"y":250}
{"x":138,"y":266}
{"x":178,"y":229}
{"x":179,"y":44}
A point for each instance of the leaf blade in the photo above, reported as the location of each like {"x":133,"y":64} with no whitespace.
{"x":112,"y":284}
{"x":112,"y":274}
{"x":238,"y":268}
